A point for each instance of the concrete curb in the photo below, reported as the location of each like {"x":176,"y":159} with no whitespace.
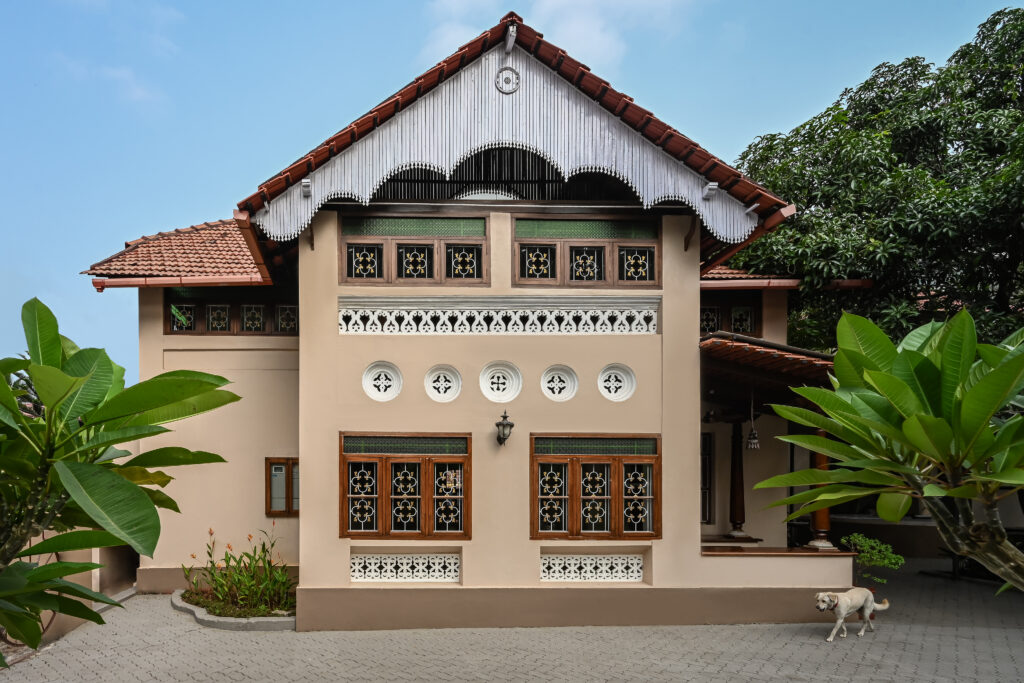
{"x":231,"y":623}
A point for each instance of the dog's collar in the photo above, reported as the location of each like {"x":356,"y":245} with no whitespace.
{"x":834,"y":599}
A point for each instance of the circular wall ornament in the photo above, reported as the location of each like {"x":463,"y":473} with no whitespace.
{"x":443,"y":383}
{"x":559,"y":383}
{"x":382,"y":381}
{"x":616,"y":382}
{"x":507,"y":80}
{"x":500,"y":381}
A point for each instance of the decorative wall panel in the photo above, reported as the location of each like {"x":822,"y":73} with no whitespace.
{"x":545,"y":114}
{"x":592,"y":568}
{"x":435,"y":568}
{"x":498,"y":315}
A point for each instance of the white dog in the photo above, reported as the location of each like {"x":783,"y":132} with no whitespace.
{"x":844,"y":604}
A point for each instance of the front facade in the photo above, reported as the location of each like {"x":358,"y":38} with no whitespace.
{"x":507,"y":240}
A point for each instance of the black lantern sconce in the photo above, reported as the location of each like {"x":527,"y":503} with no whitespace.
{"x":504,"y":428}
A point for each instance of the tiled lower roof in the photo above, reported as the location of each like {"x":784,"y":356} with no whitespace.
{"x":213,"y":250}
{"x":764,"y":356}
{"x":726,"y":273}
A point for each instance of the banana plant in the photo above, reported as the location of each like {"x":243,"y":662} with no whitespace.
{"x":63,"y":412}
{"x":936,"y":418}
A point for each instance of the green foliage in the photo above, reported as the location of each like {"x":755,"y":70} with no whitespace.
{"x":62,"y":412}
{"x":250,"y":582}
{"x":933,"y":418}
{"x":914,"y":178}
{"x":872,"y":553}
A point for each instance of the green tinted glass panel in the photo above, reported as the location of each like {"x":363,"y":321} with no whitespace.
{"x":585,"y":229}
{"x":413,"y":227}
{"x":407,"y":445}
{"x":594,"y":446}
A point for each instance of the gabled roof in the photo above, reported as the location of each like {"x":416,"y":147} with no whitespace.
{"x":769,"y":208}
{"x":212,"y":253}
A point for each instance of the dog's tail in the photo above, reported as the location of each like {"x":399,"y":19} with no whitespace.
{"x":882,"y":606}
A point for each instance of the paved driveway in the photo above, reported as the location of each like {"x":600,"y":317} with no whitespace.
{"x":937,"y":630}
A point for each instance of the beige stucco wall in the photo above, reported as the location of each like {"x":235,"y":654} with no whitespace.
{"x":501,"y":554}
{"x":774,"y":315}
{"x":227,"y":497}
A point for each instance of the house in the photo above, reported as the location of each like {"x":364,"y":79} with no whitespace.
{"x":467,"y":330}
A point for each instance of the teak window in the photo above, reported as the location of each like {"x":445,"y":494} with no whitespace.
{"x":586,"y":253}
{"x":584,"y":487}
{"x":282,"y":484}
{"x":231,"y":310}
{"x":413,"y":250}
{"x":405,"y":486}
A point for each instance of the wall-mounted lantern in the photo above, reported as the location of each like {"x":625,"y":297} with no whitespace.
{"x":504,"y":428}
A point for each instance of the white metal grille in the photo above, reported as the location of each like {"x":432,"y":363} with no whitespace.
{"x":592,"y":568}
{"x":437,"y":568}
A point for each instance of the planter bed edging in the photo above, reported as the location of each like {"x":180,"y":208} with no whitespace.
{"x":231,"y":623}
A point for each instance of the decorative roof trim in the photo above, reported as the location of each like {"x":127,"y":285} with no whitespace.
{"x":768,"y":209}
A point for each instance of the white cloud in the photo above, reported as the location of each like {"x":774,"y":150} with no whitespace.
{"x":592,"y":31}
{"x":122,"y":79}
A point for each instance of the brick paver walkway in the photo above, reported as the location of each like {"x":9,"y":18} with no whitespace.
{"x":937,"y":630}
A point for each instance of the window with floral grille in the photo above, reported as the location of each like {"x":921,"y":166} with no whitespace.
{"x":586,"y":252}
{"x":384,"y":249}
{"x":595,"y":487}
{"x":397,"y":486}
{"x":231,"y":310}
{"x":737,"y":312}
{"x":282,"y":490}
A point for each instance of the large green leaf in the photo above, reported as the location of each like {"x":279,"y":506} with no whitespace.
{"x":992,"y":355}
{"x":195,"y":375}
{"x":56,"y":570}
{"x":826,"y":503}
{"x":930,"y":435}
{"x":172,"y":456}
{"x":920,"y":336}
{"x":896,"y":392}
{"x":153,"y":393}
{"x":820,"y":444}
{"x":849,"y":365}
{"x":810,"y":418}
{"x":116,"y":436}
{"x":987,"y":397}
{"x":966,"y":491}
{"x":52,"y":385}
{"x":815,"y":476}
{"x":921,"y":375}
{"x":143,"y":477}
{"x":892,"y":507}
{"x":854,"y":333}
{"x":1012,"y":477}
{"x":183,"y":409}
{"x":68,"y":348}
{"x":957,"y":357}
{"x":9,"y":366}
{"x":117,"y":505}
{"x":69,"y":588}
{"x":116,"y":382}
{"x":41,"y":334}
{"x":95,"y":366}
{"x":62,"y":604}
{"x":161,"y":499}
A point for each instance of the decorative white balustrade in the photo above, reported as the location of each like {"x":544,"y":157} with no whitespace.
{"x":499,"y":315}
{"x":435,"y":568}
{"x":592,"y":568}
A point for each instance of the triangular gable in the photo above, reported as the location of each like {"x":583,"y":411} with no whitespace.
{"x":508,"y":94}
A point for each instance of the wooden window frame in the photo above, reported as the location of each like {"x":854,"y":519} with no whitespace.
{"x":234,"y":318}
{"x":563,"y":251}
{"x":288,"y":463}
{"x":389,"y":250}
{"x":383,"y":496}
{"x":725,"y":302}
{"x":574,"y":492}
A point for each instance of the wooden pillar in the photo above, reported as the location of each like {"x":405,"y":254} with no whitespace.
{"x":821,"y":521}
{"x":737,"y":504}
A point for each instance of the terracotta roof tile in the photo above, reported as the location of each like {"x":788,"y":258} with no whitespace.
{"x":208,"y":250}
{"x":760,"y":355}
{"x":726,"y":273}
{"x":771,"y":209}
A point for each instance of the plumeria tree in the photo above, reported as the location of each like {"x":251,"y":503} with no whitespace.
{"x":934,"y":418}
{"x":63,"y":412}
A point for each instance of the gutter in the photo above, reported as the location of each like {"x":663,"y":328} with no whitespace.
{"x":102,"y":283}
{"x":780,"y":283}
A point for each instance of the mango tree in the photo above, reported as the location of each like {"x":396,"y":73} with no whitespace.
{"x":935,"y":418}
{"x":63,"y":412}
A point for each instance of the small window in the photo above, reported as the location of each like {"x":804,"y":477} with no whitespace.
{"x":636,"y":264}
{"x":538,"y":262}
{"x":183,"y":317}
{"x":253,"y":319}
{"x":405,"y":486}
{"x":415,"y":261}
{"x":287,"y":318}
{"x":282,"y":481}
{"x":218,"y":318}
{"x":586,"y":264}
{"x":463,"y":261}
{"x":595,"y":487}
{"x":366,"y":261}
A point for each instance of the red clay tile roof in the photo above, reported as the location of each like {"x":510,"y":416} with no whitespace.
{"x":761,"y":356}
{"x":217,"y":251}
{"x":726,"y":273}
{"x":772,"y":210}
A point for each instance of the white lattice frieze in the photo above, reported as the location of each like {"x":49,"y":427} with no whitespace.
{"x":499,"y":315}
{"x":434,"y":567}
{"x":592,"y":568}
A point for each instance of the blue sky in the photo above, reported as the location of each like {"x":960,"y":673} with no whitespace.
{"x":121,"y":118}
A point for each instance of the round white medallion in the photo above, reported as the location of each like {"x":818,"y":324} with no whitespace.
{"x":507,"y":80}
{"x":559,"y":383}
{"x":500,"y":381}
{"x":616,"y":382}
{"x":382,"y":381}
{"x":443,"y":383}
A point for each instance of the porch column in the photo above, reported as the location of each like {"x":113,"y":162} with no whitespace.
{"x":821,"y":521}
{"x":737,"y":505}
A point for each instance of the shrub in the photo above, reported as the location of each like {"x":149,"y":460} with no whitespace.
{"x":871,"y":553}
